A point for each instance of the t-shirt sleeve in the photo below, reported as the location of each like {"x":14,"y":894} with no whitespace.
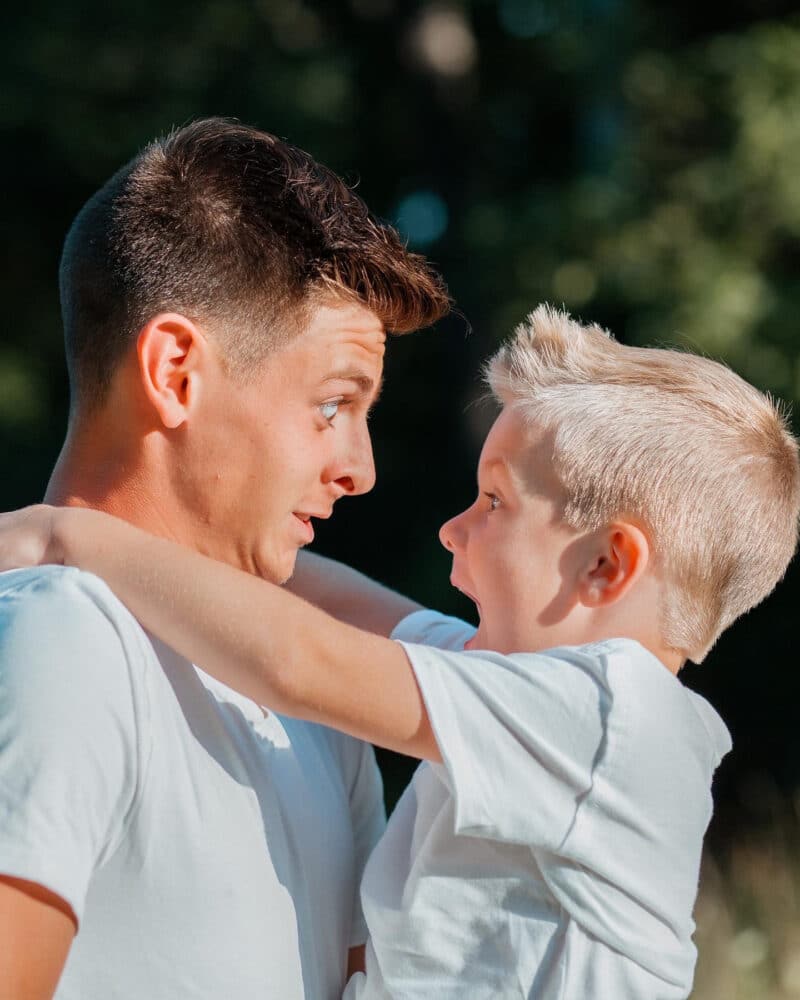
{"x":429,"y":628}
{"x":369,"y":821}
{"x":519,"y":735}
{"x":69,"y":751}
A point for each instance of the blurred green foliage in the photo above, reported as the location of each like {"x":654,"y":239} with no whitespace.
{"x":637,"y":162}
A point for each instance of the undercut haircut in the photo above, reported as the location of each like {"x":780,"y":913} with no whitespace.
{"x":702,"y":460}
{"x":236,"y":230}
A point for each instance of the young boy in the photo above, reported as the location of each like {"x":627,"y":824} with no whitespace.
{"x":631,"y":504}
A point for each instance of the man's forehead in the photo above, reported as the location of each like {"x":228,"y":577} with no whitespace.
{"x":337,"y":315}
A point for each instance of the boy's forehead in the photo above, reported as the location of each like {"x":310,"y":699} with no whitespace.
{"x":524,"y":448}
{"x":510,"y":437}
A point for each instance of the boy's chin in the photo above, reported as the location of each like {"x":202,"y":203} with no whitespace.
{"x":475,"y":642}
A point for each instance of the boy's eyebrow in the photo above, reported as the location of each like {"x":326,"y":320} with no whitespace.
{"x":499,"y":463}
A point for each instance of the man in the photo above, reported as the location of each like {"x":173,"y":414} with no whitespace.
{"x":225,"y":303}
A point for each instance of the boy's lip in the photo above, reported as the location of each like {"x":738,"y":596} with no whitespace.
{"x":455,"y":583}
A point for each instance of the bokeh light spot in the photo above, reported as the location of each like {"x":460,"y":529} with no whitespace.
{"x":748,"y":949}
{"x":422,"y":217}
{"x":443,"y":42}
{"x":21,"y":395}
{"x":574,"y":283}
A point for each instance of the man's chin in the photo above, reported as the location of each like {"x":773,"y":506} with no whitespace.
{"x":284,"y":574}
{"x":276,"y":570}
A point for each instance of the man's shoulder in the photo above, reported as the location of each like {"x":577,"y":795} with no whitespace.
{"x":43,"y":581}
{"x":61,"y":620}
{"x":45,"y":590}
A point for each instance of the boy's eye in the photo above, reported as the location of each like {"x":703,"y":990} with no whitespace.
{"x":330,"y":409}
{"x":494,"y":501}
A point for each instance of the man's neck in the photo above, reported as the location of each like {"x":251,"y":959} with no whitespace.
{"x":102,"y":474}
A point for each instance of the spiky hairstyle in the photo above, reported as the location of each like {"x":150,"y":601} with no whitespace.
{"x":702,"y":459}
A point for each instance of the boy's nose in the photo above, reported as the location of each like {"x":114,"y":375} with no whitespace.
{"x":450,"y":533}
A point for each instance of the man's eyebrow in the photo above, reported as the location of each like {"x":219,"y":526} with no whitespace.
{"x":365,"y":383}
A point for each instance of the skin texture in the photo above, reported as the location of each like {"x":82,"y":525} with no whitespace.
{"x":36,"y":928}
{"x":226,"y":467}
{"x":229,"y":468}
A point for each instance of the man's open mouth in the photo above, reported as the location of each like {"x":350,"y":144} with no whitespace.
{"x":307,"y":527}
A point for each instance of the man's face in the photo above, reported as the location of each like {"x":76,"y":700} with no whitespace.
{"x":279,"y":449}
{"x":511,"y":550}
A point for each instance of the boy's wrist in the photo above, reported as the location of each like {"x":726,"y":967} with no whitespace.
{"x":69,"y":529}
{"x":55,"y":541}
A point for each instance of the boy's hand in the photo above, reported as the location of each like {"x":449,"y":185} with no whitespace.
{"x":27,"y":537}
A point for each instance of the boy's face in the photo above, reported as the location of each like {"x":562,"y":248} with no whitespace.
{"x":512,"y":554}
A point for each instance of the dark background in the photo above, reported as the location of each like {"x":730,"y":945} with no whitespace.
{"x":637,"y":162}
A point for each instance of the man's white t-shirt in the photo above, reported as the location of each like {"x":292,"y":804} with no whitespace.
{"x":554,"y":855}
{"x":209,"y":850}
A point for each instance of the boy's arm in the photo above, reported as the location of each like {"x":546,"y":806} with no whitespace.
{"x":254,"y":636}
{"x":349,"y":595}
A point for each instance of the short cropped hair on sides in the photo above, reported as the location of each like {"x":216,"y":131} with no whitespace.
{"x":233,"y":227}
{"x":705,"y":462}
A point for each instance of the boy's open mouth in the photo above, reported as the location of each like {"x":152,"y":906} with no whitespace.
{"x":465,"y":592}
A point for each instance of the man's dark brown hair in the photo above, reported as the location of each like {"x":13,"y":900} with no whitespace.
{"x":233,"y":228}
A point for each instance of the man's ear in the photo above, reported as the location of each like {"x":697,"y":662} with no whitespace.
{"x":618,"y":559}
{"x":172,"y":354}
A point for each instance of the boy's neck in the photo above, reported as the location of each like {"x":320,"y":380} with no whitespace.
{"x":672,"y":659}
{"x":636,"y":616}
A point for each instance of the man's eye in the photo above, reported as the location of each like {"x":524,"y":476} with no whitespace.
{"x":330,"y":409}
{"x":494,"y":501}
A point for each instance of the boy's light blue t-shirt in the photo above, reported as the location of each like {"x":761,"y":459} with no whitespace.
{"x":555,"y":853}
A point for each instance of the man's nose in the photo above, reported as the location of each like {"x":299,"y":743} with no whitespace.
{"x":356,"y":470}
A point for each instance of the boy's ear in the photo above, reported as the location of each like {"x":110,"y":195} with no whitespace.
{"x":618,"y":559}
{"x":172,"y":354}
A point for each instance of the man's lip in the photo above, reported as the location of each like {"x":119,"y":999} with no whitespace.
{"x":307,"y":527}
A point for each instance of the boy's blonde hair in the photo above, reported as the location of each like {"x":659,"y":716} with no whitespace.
{"x":705,"y":462}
